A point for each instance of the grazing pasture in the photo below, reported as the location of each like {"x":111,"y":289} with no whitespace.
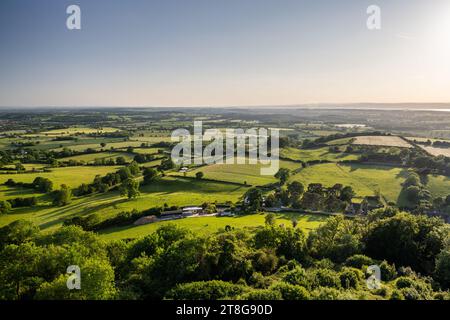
{"x":240,"y":173}
{"x":387,"y":141}
{"x":100,"y":156}
{"x":315,"y":154}
{"x":70,"y":176}
{"x":206,"y":225}
{"x":170,"y":190}
{"x":366,"y":180}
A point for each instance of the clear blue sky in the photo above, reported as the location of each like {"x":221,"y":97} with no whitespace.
{"x":223,"y":52}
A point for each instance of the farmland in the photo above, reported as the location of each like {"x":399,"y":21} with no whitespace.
{"x":387,"y":141}
{"x":71,"y":176}
{"x":437,"y":151}
{"x":240,"y":173}
{"x":219,"y":183}
{"x":206,"y":225}
{"x":316,"y":154}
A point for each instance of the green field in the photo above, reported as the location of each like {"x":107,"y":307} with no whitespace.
{"x":368,"y":179}
{"x":315,"y":154}
{"x":79,"y":130}
{"x":205,"y":225}
{"x":365,"y":180}
{"x":70,"y":176}
{"x":99,"y":156}
{"x":438,"y":185}
{"x":241,"y":173}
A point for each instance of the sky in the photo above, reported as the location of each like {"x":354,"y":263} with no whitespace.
{"x":223,"y":53}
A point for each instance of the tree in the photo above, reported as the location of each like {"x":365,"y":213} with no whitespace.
{"x":20,"y":167}
{"x":103,"y":144}
{"x":283,"y":175}
{"x":121,"y":161}
{"x":62,"y":197}
{"x":406,"y":240}
{"x":5,"y":207}
{"x":253,"y":200}
{"x":18,"y":264}
{"x":43,"y":184}
{"x":199,"y":175}
{"x":130,"y":188}
{"x":134,"y":168}
{"x":97,"y":283}
{"x":166,"y":164}
{"x":443,"y":268}
{"x":17,"y":232}
{"x":296,"y":190}
{"x":150,"y":175}
{"x":337,"y":239}
{"x":412,"y":194}
{"x":347,"y":194}
{"x":270,"y":219}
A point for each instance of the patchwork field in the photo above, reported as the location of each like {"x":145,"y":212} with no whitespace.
{"x":315,"y":154}
{"x":170,"y":190}
{"x":71,"y":176}
{"x":79,"y":130}
{"x":99,"y":156}
{"x":240,"y":173}
{"x":205,"y":225}
{"x":388,"y":141}
{"x":437,"y":151}
{"x":365,"y":180}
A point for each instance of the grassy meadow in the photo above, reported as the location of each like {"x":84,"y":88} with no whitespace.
{"x":205,"y":225}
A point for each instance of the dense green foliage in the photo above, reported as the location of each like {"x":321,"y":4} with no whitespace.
{"x":271,"y":262}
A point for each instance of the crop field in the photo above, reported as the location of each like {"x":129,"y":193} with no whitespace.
{"x":79,"y":130}
{"x":437,"y":151}
{"x":342,"y":141}
{"x":205,"y":225}
{"x":388,"y":141}
{"x":71,"y":176}
{"x":240,"y":173}
{"x":315,"y":154}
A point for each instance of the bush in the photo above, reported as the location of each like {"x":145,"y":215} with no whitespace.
{"x":5,"y":207}
{"x":388,"y":272}
{"x":262,"y":294}
{"x":325,"y":278}
{"x":350,"y":278}
{"x":325,"y":294}
{"x":206,"y":290}
{"x":297,"y":276}
{"x":358,"y":261}
{"x":291,"y":292}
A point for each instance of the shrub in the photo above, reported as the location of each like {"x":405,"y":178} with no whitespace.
{"x":350,"y":278}
{"x":291,"y":292}
{"x":297,"y":276}
{"x":358,"y":261}
{"x":206,"y":290}
{"x":262,"y":294}
{"x":325,"y":278}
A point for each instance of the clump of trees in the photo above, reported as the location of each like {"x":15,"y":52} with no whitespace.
{"x":39,"y":184}
{"x":316,"y":197}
